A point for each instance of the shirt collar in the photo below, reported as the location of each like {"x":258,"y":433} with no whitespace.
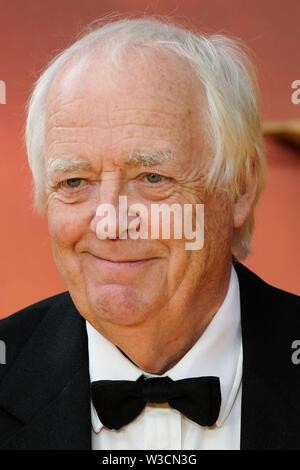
{"x":218,"y":352}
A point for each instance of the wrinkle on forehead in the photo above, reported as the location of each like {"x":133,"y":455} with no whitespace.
{"x":155,"y":91}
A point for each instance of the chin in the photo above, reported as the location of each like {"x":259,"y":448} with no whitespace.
{"x":119,"y":304}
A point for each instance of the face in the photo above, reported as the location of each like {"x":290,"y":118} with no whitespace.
{"x":99,"y":118}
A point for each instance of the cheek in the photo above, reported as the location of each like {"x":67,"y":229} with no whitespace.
{"x":218,"y":225}
{"x":66,"y":225}
{"x":179,"y":263}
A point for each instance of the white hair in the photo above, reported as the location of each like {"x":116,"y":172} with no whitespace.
{"x":224,"y":70}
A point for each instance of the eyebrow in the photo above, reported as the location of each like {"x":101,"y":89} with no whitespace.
{"x":148,"y":158}
{"x":67,"y":165}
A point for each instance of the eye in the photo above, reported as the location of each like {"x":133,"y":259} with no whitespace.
{"x":73,"y":182}
{"x":154,"y":178}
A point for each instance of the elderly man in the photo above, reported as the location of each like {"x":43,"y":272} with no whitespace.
{"x":158,"y":344}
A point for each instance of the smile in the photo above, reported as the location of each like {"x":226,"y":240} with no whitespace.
{"x":123,"y":264}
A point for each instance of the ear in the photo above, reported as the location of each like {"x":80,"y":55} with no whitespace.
{"x":243,"y":204}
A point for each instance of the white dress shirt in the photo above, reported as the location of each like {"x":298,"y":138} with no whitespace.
{"x":218,"y":352}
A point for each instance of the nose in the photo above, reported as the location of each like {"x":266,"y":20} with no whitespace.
{"x":112,"y":223}
{"x":111,"y":219}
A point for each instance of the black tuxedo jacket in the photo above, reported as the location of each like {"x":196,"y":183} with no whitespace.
{"x":45,"y":389}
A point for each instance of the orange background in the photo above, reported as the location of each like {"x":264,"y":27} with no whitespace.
{"x":33,"y":30}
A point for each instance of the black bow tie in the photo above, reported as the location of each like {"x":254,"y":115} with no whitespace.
{"x":118,"y":402}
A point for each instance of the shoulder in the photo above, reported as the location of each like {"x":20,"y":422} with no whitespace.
{"x":28,"y":317}
{"x":252,"y":285}
{"x":270,"y":318}
{"x":17,"y":328}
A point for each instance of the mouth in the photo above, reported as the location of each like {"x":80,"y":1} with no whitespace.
{"x":123,"y":263}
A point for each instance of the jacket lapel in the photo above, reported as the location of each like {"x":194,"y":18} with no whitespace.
{"x":270,"y":383}
{"x":45,"y":396}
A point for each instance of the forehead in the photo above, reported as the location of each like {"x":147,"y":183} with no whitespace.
{"x":152,"y":95}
